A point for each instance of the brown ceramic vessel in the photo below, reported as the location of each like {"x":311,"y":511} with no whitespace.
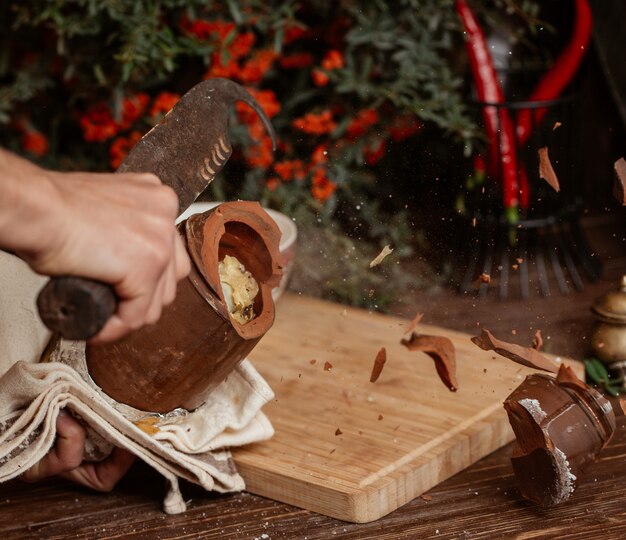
{"x":196,"y":344}
{"x":560,"y":427}
{"x":608,"y":339}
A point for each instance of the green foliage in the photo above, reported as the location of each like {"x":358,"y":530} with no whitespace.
{"x":597,"y":372}
{"x":81,"y":80}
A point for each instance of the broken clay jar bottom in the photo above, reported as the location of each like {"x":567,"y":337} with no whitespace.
{"x":196,"y":343}
{"x":560,"y":427}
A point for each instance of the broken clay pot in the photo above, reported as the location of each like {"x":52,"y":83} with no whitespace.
{"x":196,"y":343}
{"x":560,"y":427}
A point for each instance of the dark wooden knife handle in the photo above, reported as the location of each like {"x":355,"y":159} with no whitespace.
{"x":75,"y":307}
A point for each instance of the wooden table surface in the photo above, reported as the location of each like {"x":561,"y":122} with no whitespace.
{"x":480,"y":502}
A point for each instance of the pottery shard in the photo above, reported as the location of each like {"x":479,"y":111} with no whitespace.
{"x":379,"y":363}
{"x":537,"y":340}
{"x":413,"y":324}
{"x":560,"y":426}
{"x":522,"y":355}
{"x":567,"y":376}
{"x":196,"y":344}
{"x":546,"y":171}
{"x":619,"y":188}
{"x":381,"y":256}
{"x":441,"y":350}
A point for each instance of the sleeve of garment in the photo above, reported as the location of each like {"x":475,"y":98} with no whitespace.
{"x":22,"y":334}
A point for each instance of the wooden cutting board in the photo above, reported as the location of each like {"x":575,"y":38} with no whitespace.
{"x":356,"y":450}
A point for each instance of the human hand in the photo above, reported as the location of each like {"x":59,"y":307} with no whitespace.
{"x":66,"y":459}
{"x":119,"y":229}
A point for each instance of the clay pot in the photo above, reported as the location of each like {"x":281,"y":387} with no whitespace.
{"x":288,"y":239}
{"x":196,"y":344}
{"x":560,"y":428}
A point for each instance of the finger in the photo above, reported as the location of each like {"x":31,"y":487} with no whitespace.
{"x":65,"y":455}
{"x":118,"y":326}
{"x":169,"y":290}
{"x":131,"y":315}
{"x":153,"y":313}
{"x":136,"y":298}
{"x":148,"y":178}
{"x":103,"y":475}
{"x":183,"y":264}
{"x":114,"y":329}
{"x":125,"y":177}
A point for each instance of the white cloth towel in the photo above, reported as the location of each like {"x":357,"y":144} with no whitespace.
{"x":181,"y":444}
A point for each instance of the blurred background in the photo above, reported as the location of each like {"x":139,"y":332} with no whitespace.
{"x":395,"y":128}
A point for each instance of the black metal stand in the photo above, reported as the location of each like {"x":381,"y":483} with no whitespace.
{"x":536,"y":256}
{"x":544,"y":250}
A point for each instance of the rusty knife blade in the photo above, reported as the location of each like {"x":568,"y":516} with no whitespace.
{"x":190,"y":145}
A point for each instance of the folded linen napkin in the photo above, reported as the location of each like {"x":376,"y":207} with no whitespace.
{"x":181,"y":444}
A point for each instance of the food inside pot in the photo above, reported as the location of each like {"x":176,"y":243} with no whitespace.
{"x":239,"y":288}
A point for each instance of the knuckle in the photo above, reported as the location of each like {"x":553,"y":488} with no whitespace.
{"x":156,"y":255}
{"x":161,"y":255}
{"x":153,"y":316}
{"x":72,"y":430}
{"x":134,"y":323}
{"x":106,"y":485}
{"x":169,"y":296}
{"x":131,"y":320}
{"x":170,"y":199}
{"x":144,"y":178}
{"x":151,"y":177}
{"x":73,"y":461}
{"x":183,"y":266}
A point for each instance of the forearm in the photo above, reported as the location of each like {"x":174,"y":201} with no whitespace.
{"x":110,"y":227}
{"x":27,"y":202}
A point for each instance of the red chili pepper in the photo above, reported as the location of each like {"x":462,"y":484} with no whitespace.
{"x":562,"y":72}
{"x":498,"y":124}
